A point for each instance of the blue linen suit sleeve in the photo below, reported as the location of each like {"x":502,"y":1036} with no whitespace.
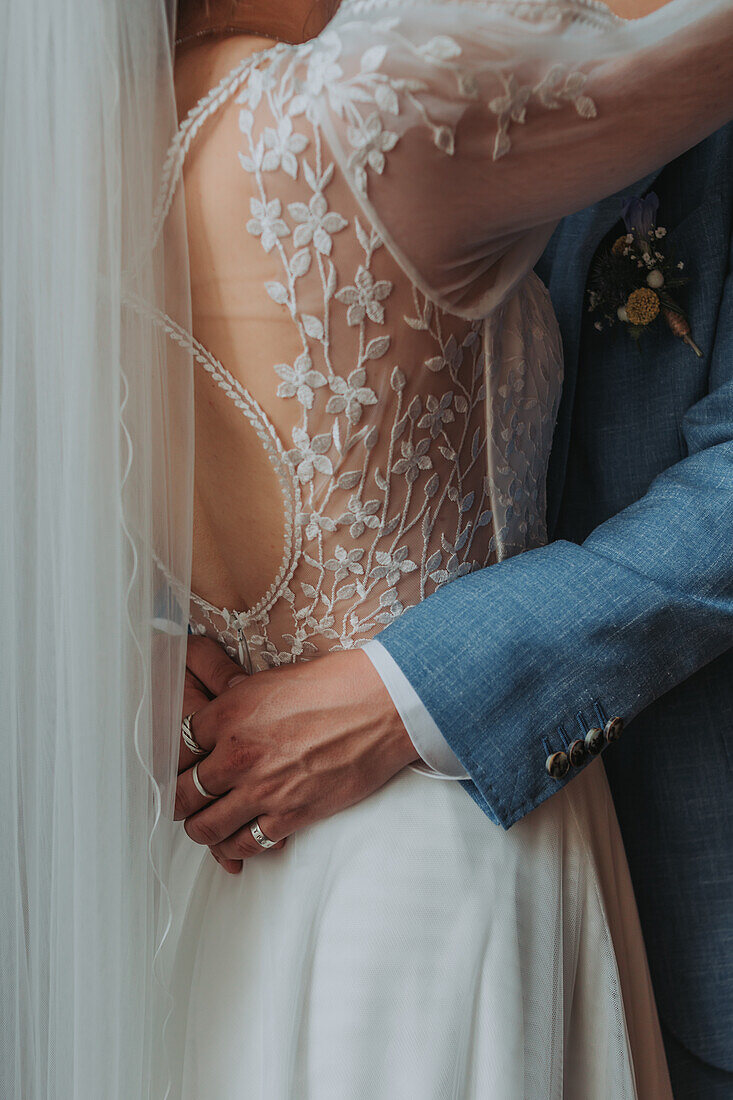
{"x":507,"y":658}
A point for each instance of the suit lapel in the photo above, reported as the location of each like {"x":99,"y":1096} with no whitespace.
{"x":580,"y":237}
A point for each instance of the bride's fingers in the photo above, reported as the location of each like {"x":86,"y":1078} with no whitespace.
{"x":189,"y":799}
{"x":206,"y":659}
{"x":194,"y":699}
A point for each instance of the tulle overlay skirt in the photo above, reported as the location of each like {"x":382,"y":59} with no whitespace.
{"x":410,"y":948}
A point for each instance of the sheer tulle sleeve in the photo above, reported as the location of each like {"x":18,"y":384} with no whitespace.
{"x":467,"y":128}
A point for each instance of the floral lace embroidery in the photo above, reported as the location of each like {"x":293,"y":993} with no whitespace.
{"x":389,"y":506}
{"x":368,"y":136}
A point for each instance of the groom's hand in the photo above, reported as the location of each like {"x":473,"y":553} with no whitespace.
{"x":289,"y":746}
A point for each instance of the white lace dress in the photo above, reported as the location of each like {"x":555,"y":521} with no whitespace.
{"x":407,"y":947}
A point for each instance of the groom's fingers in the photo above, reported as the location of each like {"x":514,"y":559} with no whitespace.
{"x":207,"y":661}
{"x":212,"y":777}
{"x":242,"y":845}
{"x":219,"y":819}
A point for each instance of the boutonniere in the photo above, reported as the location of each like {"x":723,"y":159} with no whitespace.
{"x":631,"y":282}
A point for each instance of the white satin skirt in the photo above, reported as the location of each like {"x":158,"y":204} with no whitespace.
{"x":409,"y":949}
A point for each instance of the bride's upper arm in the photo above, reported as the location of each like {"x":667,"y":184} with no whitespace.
{"x":466,"y":128}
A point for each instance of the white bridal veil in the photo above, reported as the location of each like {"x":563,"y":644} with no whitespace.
{"x":95,"y":488}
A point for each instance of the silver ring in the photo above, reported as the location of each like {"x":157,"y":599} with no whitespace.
{"x":188,"y":738}
{"x":262,"y":840}
{"x":198,"y":784}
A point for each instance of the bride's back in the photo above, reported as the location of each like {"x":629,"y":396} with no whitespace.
{"x":341,"y":459}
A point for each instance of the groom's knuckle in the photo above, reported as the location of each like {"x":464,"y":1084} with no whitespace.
{"x":238,"y":754}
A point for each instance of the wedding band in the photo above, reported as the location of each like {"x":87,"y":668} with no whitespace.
{"x":198,"y":784}
{"x":188,"y":738}
{"x":262,"y":840}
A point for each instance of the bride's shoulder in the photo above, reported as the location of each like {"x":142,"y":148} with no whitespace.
{"x":203,"y":67}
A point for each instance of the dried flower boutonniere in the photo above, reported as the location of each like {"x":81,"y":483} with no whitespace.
{"x":631,"y":281}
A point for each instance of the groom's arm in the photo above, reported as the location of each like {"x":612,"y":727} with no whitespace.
{"x":506,"y":656}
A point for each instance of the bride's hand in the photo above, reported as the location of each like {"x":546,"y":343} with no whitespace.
{"x":288,"y":747}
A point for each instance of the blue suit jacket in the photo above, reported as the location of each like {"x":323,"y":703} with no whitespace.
{"x":630,"y":606}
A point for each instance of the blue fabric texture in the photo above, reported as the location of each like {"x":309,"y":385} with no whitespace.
{"x":629,"y":608}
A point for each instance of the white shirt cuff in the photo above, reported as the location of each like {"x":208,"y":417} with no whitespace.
{"x":440,"y":762}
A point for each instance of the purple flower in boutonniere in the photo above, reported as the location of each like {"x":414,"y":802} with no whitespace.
{"x":640,"y":215}
{"x":631,"y":281}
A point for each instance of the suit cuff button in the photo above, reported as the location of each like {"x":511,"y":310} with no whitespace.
{"x":594,"y":740}
{"x":577,"y":753}
{"x":558,"y":765}
{"x":613,"y":730}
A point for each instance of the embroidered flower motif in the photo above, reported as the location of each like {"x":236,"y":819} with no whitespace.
{"x":323,"y":71}
{"x":299,"y":380}
{"x":345,"y":562}
{"x":414,"y":459}
{"x":392,"y":566}
{"x":364,"y":297}
{"x":258,"y":80}
{"x":315,"y":223}
{"x":313,"y":522}
{"x":282,"y":147}
{"x":309,"y":455}
{"x":370,"y":142}
{"x":439,"y":413}
{"x":350,"y":394}
{"x":360,"y":516}
{"x":266,"y":222}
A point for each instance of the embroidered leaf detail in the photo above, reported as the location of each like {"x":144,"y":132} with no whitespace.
{"x":301,"y":262}
{"x":398,"y":380}
{"x":463,"y":537}
{"x":376,"y":348}
{"x":361,"y":235}
{"x":373,"y":58}
{"x":432,"y":486}
{"x":313,"y":326}
{"x":277,"y":292}
{"x":433,"y":561}
{"x":330,"y":280}
{"x":441,"y":47}
{"x":349,"y":480}
{"x":585,"y":107}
